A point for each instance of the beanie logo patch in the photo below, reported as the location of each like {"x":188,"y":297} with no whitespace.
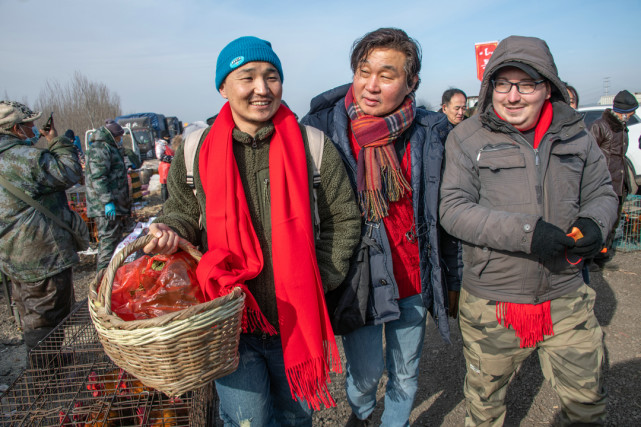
{"x":236,"y":61}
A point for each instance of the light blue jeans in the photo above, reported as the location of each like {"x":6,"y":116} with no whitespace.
{"x":365,"y":363}
{"x":258,"y":391}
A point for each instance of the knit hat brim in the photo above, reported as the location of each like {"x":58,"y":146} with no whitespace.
{"x":242,"y":51}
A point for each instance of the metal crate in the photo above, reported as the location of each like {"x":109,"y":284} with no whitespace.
{"x":628,"y":235}
{"x":71,"y":382}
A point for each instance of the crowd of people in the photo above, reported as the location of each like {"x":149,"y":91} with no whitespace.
{"x":490,"y":216}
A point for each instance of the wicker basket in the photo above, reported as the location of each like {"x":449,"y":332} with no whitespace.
{"x":175,"y":352}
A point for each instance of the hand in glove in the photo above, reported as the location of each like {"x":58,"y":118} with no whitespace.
{"x":110,"y":210}
{"x":549,"y":241}
{"x":592,"y":241}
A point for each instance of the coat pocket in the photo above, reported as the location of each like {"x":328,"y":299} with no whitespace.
{"x":504,"y":179}
{"x":566,"y":171}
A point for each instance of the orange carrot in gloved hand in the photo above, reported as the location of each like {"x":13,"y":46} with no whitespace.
{"x":576,"y":234}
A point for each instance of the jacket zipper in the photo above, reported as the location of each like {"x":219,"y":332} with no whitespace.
{"x":497,"y":147}
{"x":540,"y":199}
{"x":266,"y":190}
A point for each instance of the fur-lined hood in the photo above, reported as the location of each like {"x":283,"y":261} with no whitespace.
{"x":613,"y":121}
{"x":528,"y":50}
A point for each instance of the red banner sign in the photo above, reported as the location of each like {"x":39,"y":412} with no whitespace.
{"x":483,"y":53}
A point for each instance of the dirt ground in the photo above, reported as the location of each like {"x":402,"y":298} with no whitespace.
{"x":439,"y":401}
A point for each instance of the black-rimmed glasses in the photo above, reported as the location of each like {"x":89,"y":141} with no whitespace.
{"x":504,"y":86}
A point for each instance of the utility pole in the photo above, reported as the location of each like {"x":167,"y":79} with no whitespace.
{"x":606,"y":85}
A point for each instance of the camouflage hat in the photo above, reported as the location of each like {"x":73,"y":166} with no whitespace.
{"x":12,"y":113}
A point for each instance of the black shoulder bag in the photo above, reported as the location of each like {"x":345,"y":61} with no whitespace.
{"x":347,"y":304}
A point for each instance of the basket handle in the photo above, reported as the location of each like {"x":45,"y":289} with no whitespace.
{"x":106,"y":285}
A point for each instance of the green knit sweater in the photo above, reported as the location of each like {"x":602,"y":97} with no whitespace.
{"x":337,"y":208}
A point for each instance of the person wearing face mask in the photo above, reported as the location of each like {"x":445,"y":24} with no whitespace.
{"x":35,"y":253}
{"x":107,"y":188}
{"x":611,"y":133}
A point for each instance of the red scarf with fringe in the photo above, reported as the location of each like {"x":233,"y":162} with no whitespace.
{"x":530,"y":321}
{"x":234,"y":255}
{"x":379,"y":179}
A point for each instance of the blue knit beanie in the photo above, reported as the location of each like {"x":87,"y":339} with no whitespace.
{"x":240,"y":52}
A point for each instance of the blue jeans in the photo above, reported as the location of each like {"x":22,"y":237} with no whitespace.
{"x":365,"y":363}
{"x":258,"y":391}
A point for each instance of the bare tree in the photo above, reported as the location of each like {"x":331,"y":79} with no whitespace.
{"x":79,"y":105}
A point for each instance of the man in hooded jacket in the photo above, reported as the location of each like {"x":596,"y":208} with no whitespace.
{"x":520,"y":178}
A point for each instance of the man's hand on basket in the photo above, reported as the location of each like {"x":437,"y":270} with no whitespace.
{"x":165,"y":242}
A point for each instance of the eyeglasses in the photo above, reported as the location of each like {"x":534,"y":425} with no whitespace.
{"x":503,"y":86}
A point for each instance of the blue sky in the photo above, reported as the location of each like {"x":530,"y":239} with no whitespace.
{"x":161,"y":55}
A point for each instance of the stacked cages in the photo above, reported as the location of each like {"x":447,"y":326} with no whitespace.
{"x":628,"y":234}
{"x":71,"y":382}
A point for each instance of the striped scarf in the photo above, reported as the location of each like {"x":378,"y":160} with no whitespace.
{"x":379,"y":177}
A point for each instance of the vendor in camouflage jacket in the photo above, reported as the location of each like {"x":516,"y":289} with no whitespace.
{"x":34,"y":252}
{"x":107,"y":189}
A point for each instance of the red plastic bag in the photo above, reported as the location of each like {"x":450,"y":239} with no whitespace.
{"x":153,"y":286}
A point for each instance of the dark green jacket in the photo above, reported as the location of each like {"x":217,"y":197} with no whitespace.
{"x":339,"y":214}
{"x":106,"y":175}
{"x":32,"y":247}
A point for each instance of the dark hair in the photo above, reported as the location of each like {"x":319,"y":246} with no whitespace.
{"x":448,"y":94}
{"x":574,"y":92}
{"x":390,"y":38}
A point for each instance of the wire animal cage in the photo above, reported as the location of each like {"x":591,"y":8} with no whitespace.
{"x":629,"y":239}
{"x":78,"y":202}
{"x":71,"y":382}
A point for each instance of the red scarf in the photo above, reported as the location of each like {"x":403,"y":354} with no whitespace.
{"x":379,"y":177}
{"x":234,"y":255}
{"x":530,"y":321}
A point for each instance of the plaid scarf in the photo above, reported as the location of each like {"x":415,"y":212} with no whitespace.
{"x":379,"y":176}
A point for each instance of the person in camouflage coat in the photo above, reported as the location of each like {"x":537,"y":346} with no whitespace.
{"x":34,"y":252}
{"x":107,"y":189}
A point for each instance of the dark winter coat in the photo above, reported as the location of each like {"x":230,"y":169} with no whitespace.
{"x":496,"y":187}
{"x":612,"y":136}
{"x":440,"y":262}
{"x":339,"y":215}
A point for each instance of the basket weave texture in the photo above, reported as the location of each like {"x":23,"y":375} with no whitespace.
{"x":175,"y":352}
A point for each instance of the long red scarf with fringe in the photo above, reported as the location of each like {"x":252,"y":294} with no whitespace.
{"x":379,"y":179}
{"x":234,"y":254}
{"x":530,"y":321}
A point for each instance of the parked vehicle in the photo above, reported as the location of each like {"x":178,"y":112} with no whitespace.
{"x":633,"y":155}
{"x":146,"y":129}
{"x":174,"y":126}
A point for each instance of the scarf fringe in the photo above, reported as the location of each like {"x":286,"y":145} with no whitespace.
{"x":255,"y":320}
{"x":309,"y":381}
{"x":375,"y":202}
{"x":530,"y":322}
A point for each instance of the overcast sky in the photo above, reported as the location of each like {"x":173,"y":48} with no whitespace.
{"x":160,"y":55}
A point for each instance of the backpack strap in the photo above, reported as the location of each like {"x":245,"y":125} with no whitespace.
{"x":316,"y":142}
{"x":190,"y":146}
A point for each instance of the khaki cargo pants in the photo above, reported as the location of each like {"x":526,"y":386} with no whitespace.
{"x":571,"y":359}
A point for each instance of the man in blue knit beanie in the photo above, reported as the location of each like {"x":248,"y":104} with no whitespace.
{"x":253,"y":173}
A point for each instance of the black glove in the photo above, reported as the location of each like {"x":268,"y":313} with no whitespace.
{"x":549,"y":241}
{"x":591,"y":242}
